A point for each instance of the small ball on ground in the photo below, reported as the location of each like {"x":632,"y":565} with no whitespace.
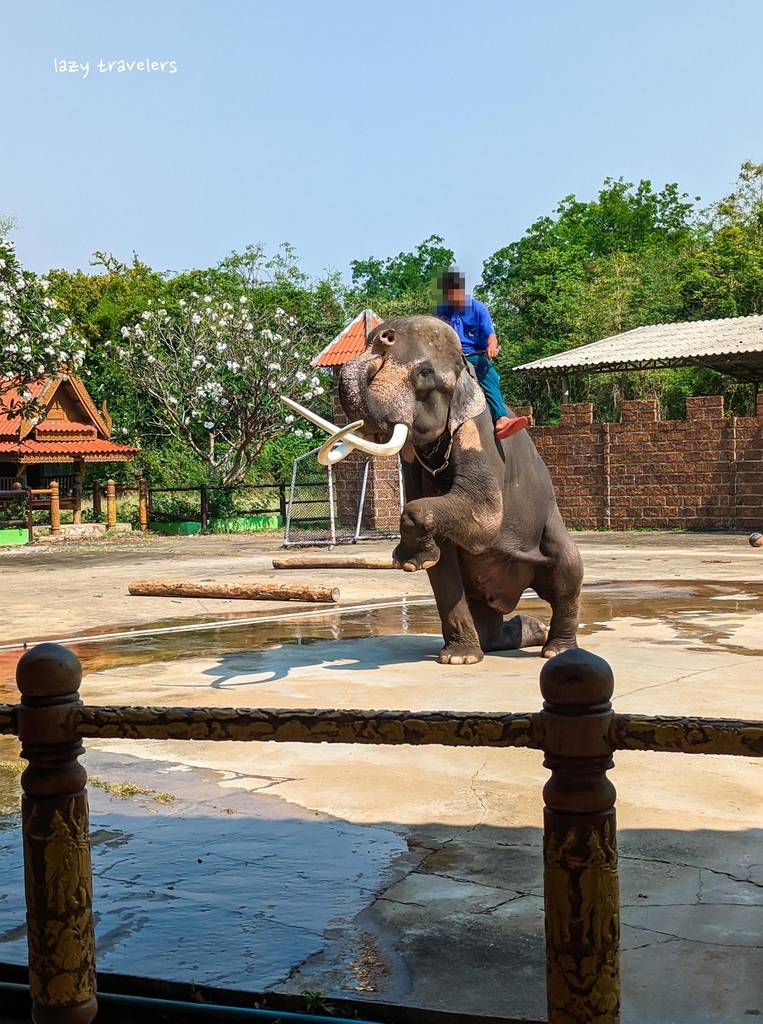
{"x":756,"y":540}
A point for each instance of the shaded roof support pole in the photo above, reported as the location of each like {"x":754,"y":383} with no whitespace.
{"x":565,"y":389}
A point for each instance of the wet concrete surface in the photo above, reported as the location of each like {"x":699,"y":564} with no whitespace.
{"x":448,"y":911}
{"x":213,"y":887}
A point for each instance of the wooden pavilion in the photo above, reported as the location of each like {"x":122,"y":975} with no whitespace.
{"x":66,"y":433}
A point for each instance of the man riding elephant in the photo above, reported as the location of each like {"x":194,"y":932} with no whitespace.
{"x":473,"y":324}
{"x":480,"y":514}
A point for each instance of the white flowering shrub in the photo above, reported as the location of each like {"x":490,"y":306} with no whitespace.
{"x":35,"y":337}
{"x":214,"y":369}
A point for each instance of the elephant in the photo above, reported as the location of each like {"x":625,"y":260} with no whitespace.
{"x":480,"y":515}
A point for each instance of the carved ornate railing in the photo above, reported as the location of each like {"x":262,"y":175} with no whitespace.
{"x":577,"y":730}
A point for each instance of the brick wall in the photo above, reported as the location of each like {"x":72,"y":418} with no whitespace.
{"x":703,"y":472}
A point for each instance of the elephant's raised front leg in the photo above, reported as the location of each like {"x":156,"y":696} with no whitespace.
{"x":468,"y":514}
{"x":417,"y":548}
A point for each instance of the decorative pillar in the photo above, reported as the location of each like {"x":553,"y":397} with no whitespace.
{"x":582,"y":898}
{"x":111,"y":505}
{"x":55,"y":509}
{"x":56,"y":837}
{"x":143,"y":505}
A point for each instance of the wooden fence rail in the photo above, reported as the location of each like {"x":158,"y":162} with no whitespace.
{"x":576,"y":729}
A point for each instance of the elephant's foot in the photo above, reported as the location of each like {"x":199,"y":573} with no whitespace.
{"x":521,"y":631}
{"x":424,"y":558}
{"x":557,"y":645}
{"x":460,"y":654}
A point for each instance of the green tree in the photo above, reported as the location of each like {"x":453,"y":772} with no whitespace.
{"x":723,"y":275}
{"x":594,"y":269}
{"x":7,"y":224}
{"x":402,"y":284}
{"x":213,"y":370}
{"x":36,"y":338}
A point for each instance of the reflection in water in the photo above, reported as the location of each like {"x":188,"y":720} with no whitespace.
{"x":698,"y":612}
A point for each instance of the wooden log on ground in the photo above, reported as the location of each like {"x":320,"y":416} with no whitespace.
{"x":233,"y":591}
{"x":324,"y":562}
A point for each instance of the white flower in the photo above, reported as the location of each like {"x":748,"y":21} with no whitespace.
{"x":208,"y":425}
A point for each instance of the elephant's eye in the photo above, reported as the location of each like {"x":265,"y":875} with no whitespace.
{"x":425,"y":377}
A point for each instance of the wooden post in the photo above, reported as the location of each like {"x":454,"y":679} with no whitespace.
{"x":56,"y":837}
{"x":55,"y":509}
{"x":79,"y":472}
{"x":97,"y":500}
{"x":582,"y":898}
{"x":111,"y":505}
{"x":29,"y":515}
{"x":143,"y":505}
{"x":204,"y":513}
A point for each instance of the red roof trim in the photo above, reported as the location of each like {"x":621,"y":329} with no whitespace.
{"x":350,"y":342}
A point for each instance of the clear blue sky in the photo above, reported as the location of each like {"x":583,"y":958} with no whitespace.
{"x":351,"y":128}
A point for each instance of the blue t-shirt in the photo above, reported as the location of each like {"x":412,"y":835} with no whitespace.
{"x":472,"y":324}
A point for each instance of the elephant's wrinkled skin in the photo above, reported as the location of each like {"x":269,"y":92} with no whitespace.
{"x":486,"y":526}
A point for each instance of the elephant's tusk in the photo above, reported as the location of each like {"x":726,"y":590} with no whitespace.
{"x":327,"y":425}
{"x":391,"y":447}
{"x":332,"y":452}
{"x":336,"y":448}
{"x":348,"y":439}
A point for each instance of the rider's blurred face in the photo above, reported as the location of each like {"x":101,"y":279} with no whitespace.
{"x":455,"y":297}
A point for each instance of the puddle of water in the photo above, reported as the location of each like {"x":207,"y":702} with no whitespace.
{"x":697,"y":612}
{"x":230,"y":889}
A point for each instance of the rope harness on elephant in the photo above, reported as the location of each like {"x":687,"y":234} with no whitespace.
{"x":446,"y":457}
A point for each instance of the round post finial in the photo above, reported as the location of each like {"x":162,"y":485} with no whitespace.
{"x":48,"y":670}
{"x":575,"y":678}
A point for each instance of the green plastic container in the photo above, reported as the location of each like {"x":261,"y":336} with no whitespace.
{"x":13,"y":536}
{"x":185,"y":529}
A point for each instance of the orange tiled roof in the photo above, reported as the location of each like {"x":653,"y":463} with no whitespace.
{"x":44,"y":389}
{"x":91,"y":449}
{"x":64,"y":429}
{"x":12,"y":422}
{"x":351,"y":342}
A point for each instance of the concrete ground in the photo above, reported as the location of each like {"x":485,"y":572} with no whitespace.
{"x":408,"y":874}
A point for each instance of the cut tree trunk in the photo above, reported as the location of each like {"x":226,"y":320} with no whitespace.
{"x":233,"y":591}
{"x":327,"y":562}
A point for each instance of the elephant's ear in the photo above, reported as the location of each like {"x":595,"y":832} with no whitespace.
{"x":468,"y":399}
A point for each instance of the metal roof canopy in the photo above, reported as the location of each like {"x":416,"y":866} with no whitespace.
{"x":733,"y":346}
